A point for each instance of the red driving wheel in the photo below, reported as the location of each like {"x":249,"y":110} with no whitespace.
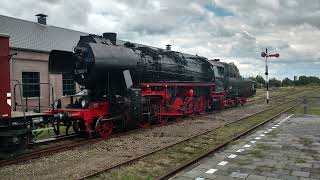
{"x":104,"y":128}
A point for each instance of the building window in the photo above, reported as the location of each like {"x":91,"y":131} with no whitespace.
{"x":31,"y":86}
{"x":69,"y":86}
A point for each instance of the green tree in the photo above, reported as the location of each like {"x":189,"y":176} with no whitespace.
{"x":303,"y":80}
{"x":260,"y":81}
{"x":273,"y":82}
{"x":287,"y":82}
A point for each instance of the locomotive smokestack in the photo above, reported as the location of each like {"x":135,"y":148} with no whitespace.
{"x":111,"y":36}
{"x":42,"y":19}
{"x":168,"y":47}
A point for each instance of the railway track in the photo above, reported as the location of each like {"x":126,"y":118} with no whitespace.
{"x":166,"y":176}
{"x":73,"y":144}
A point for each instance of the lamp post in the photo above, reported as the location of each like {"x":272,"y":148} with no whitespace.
{"x":266,"y":55}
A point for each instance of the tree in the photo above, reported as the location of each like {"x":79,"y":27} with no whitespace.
{"x":287,"y":82}
{"x":273,"y":82}
{"x":303,"y":80}
{"x":260,"y":81}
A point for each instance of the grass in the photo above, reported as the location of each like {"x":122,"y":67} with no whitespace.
{"x":261,"y":93}
{"x":50,"y":133}
{"x":243,"y":162}
{"x":256,"y":153}
{"x":306,"y":141}
{"x":265,"y":168}
{"x":300,"y":161}
{"x":315,"y":111}
{"x":273,"y":133}
{"x":313,"y":105}
{"x":262,"y":147}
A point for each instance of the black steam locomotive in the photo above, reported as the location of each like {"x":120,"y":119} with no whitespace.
{"x":129,"y":85}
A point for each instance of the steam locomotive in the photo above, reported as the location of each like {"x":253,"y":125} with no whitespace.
{"x":129,"y":85}
{"x":124,"y":86}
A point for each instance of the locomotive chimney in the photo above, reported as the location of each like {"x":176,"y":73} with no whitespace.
{"x":168,"y":47}
{"x":42,"y":19}
{"x":111,"y":36}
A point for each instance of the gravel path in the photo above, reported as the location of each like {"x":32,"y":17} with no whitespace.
{"x":82,"y":160}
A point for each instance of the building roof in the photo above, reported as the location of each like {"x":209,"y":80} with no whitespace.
{"x":37,"y":37}
{"x":28,"y":35}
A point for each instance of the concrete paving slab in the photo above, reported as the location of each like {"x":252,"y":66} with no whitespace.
{"x":291,"y":150}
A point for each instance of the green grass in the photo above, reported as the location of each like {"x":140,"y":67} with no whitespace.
{"x":262,"y":147}
{"x":300,"y":160}
{"x":244,"y":162}
{"x":50,"y":133}
{"x":313,"y":104}
{"x":265,"y":168}
{"x":315,"y":111}
{"x":306,"y":141}
{"x":256,"y":153}
{"x":273,"y":133}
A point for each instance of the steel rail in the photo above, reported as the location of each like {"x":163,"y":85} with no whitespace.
{"x":131,"y":160}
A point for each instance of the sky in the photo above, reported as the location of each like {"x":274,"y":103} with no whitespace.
{"x":231,"y":30}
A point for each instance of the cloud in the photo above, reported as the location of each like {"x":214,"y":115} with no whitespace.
{"x":234,"y":31}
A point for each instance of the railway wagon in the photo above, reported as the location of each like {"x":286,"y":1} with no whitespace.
{"x":15,"y":128}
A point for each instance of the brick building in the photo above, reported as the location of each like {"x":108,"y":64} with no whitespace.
{"x":30,"y":45}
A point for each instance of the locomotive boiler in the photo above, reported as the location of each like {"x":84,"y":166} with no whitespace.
{"x":95,"y":55}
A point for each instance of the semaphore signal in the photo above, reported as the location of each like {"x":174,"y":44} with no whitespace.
{"x":266,"y":55}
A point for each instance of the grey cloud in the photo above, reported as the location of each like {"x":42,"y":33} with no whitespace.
{"x":290,"y":28}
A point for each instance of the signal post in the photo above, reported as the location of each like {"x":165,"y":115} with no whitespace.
{"x":266,"y":55}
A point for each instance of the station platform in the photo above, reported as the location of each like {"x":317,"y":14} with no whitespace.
{"x":286,"y":148}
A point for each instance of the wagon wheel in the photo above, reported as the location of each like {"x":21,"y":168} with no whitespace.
{"x":104,"y":128}
{"x":163,"y":120}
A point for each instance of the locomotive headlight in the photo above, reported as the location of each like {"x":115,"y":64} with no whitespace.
{"x":84,"y":103}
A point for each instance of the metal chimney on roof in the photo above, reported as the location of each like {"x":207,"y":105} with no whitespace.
{"x":168,"y":47}
{"x":42,"y":19}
